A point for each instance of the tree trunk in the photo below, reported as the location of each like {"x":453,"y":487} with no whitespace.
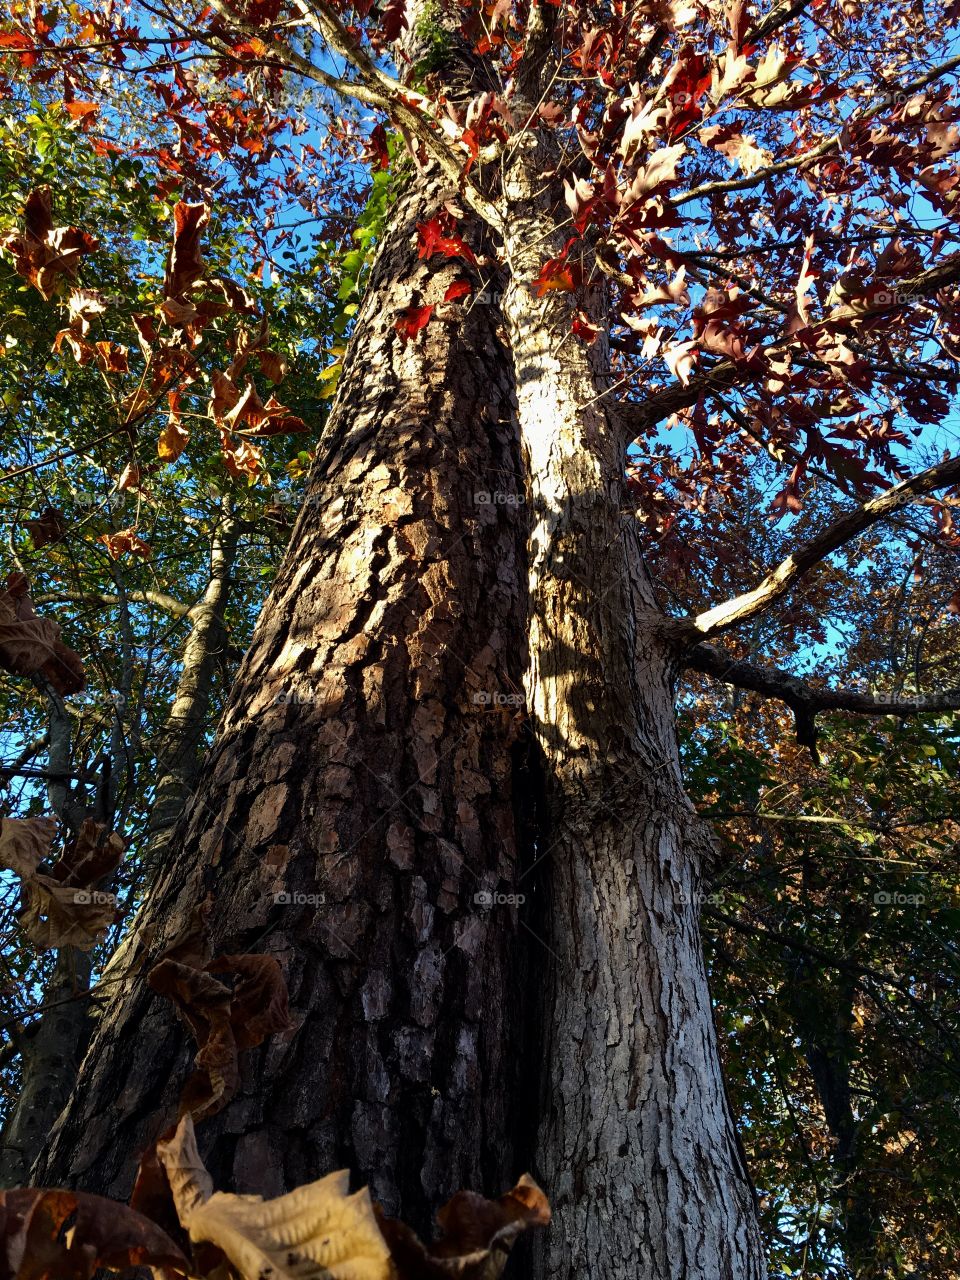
{"x":359,"y":797}
{"x":178,"y":750}
{"x":51,"y":1047}
{"x":637,"y":1147}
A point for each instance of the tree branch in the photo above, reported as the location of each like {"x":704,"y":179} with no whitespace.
{"x":805,"y":700}
{"x":725,"y":374}
{"x":776,"y":584}
{"x":158,"y":598}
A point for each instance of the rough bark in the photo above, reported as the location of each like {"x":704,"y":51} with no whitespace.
{"x":637,"y":1147}
{"x":365,"y":758}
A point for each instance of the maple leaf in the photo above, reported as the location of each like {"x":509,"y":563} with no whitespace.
{"x":394,"y":20}
{"x":81,"y":110}
{"x":412,"y":320}
{"x":376,"y":151}
{"x":458,"y":289}
{"x":434,"y":239}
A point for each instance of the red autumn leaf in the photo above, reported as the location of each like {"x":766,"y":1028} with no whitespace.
{"x":80,"y":110}
{"x":584,"y":328}
{"x":557,"y":274}
{"x":434,"y":239}
{"x":376,"y":151}
{"x":394,"y":20}
{"x":412,"y":320}
{"x":15,"y":40}
{"x":459,"y":289}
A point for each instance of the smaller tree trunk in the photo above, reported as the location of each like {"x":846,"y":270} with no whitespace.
{"x":637,"y":1147}
{"x":52,"y":1047}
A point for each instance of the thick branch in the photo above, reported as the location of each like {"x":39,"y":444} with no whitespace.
{"x":834,"y":536}
{"x":805,"y":700}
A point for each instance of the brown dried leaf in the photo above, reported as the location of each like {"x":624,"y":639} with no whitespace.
{"x":273,"y":365}
{"x":259,"y":1006}
{"x":125,"y":542}
{"x":314,"y":1233}
{"x":477,"y":1235}
{"x":25,"y":842}
{"x":204,"y":1004}
{"x":103,"y":1234}
{"x":29,"y":644}
{"x":95,"y":853}
{"x":48,"y":528}
{"x":185,"y":264}
{"x":172,"y":441}
{"x":43,"y":253}
{"x":58,"y":915}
